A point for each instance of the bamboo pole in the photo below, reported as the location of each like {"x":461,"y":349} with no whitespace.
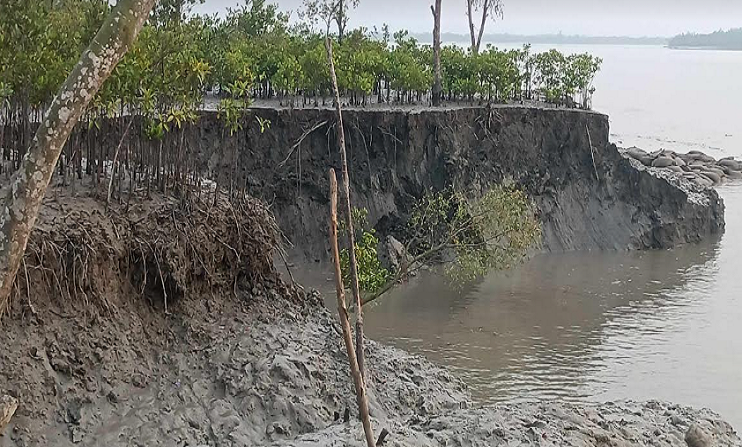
{"x":355,"y":370}
{"x":355,"y":288}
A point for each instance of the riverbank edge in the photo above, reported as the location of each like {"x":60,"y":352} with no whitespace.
{"x":264,"y":371}
{"x":247,"y":361}
{"x":587,"y":196}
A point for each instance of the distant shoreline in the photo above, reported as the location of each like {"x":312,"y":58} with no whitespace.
{"x":548,"y":39}
{"x":704,"y":47}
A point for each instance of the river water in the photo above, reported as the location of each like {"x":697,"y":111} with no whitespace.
{"x":607,"y":326}
{"x":588,"y":326}
{"x":613,"y":325}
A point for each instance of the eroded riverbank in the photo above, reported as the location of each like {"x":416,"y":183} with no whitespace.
{"x":586,"y":327}
{"x":240,"y":358}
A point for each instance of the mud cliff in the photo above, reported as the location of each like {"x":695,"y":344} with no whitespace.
{"x":587,"y":195}
{"x":586,"y":198}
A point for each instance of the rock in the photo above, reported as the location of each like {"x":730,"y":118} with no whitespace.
{"x":679,"y":161}
{"x":662,"y":162}
{"x":730,"y":163}
{"x":704,"y":181}
{"x":76,"y":435}
{"x":640,"y":155}
{"x":713,"y":176}
{"x":113,"y":397}
{"x":396,"y":253}
{"x":74,"y":412}
{"x":700,"y":156}
{"x":61,"y":365}
{"x":719,"y":172}
{"x":676,"y":420}
{"x":8,"y":405}
{"x":677,"y":169}
{"x":734,"y":174}
{"x":697,"y":437}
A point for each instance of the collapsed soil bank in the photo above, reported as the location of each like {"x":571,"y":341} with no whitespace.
{"x":587,"y":195}
{"x":586,"y":198}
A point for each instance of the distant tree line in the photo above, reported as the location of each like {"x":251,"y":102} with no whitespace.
{"x":723,"y":40}
{"x":547,"y":39}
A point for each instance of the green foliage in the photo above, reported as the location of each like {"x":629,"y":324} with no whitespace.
{"x":473,"y":235}
{"x":41,"y":41}
{"x":231,"y":111}
{"x":179,"y":57}
{"x":487,"y":233}
{"x":372,"y":276}
{"x":253,"y":52}
{"x":558,"y":77}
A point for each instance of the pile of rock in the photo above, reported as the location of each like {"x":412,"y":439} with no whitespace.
{"x":695,"y":165}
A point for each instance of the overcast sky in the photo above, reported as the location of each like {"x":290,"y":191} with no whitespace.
{"x":587,"y":17}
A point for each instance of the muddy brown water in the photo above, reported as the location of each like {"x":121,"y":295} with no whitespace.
{"x":586,"y":326}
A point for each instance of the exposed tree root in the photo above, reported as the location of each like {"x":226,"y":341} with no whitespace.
{"x":162,"y":249}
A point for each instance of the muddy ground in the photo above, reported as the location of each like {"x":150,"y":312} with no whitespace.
{"x":238,"y":357}
{"x":257,"y":370}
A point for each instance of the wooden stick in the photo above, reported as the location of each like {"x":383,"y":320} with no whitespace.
{"x":354,"y":286}
{"x":115,"y":159}
{"x":592,"y":151}
{"x":343,"y":314}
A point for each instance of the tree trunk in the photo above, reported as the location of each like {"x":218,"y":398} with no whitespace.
{"x":355,"y":287}
{"x":485,"y":13}
{"x":21,"y":199}
{"x":340,"y":18}
{"x":472,"y":33}
{"x":343,"y":314}
{"x":437,"y":86}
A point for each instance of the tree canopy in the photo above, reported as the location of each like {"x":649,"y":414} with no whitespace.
{"x":180,"y":57}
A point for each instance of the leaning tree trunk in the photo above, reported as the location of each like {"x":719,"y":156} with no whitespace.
{"x":437,"y":86}
{"x":21,"y":199}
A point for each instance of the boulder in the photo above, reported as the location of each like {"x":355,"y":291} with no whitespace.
{"x":713,"y":176}
{"x":697,"y":437}
{"x":396,"y":253}
{"x":704,"y":181}
{"x":637,"y":152}
{"x":730,"y":163}
{"x":662,"y":162}
{"x":677,"y":169}
{"x":640,"y":155}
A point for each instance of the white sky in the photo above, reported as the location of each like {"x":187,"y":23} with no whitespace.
{"x":587,"y":17}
